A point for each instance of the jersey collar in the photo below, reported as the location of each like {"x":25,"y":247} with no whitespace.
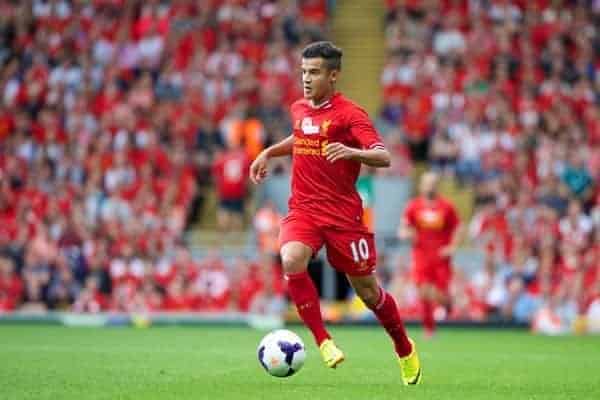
{"x":324,"y":105}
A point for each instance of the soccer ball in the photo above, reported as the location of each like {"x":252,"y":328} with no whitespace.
{"x":281,"y":353}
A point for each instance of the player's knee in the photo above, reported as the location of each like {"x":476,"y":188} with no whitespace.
{"x":295,"y":257}
{"x":369,"y":296}
{"x":292,"y":263}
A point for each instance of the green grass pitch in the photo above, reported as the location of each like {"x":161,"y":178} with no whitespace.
{"x":43,"y":362}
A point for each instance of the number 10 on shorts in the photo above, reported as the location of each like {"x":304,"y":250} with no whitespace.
{"x":360,"y":251}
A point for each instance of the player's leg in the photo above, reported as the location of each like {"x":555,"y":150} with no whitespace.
{"x":440,"y":287}
{"x":386,"y":310}
{"x":353,"y":252}
{"x":441,"y":296}
{"x":433,"y":283}
{"x":299,"y":240}
{"x":427,"y":296}
{"x":423,"y":276}
{"x":295,"y":257}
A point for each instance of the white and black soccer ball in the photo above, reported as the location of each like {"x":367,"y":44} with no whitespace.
{"x":281,"y":353}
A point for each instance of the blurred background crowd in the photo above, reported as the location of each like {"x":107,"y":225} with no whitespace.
{"x":115,"y":118}
{"x":505,"y":97}
{"x":119,"y":118}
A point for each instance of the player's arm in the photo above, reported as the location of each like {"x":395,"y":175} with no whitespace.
{"x":376,"y":157}
{"x":283,"y":148}
{"x":370,"y":150}
{"x":456,"y":235}
{"x":451,"y":248}
{"x":258,"y":168}
{"x":405,"y":230}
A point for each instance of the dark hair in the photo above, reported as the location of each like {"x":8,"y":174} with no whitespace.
{"x":327,"y":51}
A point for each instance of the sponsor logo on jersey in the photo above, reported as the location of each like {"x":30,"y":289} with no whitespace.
{"x":324,"y":144}
{"x":308,"y":127}
{"x":430,"y":219}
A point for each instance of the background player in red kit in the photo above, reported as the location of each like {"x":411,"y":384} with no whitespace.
{"x":431,"y":222}
{"x":332,"y":137}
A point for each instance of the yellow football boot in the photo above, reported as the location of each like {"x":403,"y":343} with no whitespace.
{"x":410,"y":367}
{"x":332,"y":356}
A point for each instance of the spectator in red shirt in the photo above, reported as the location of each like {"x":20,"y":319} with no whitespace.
{"x":176,"y":298}
{"x":249,"y":282}
{"x":230,"y":170}
{"x":210,"y":288}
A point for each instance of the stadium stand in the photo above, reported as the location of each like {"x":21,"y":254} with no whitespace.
{"x":503,"y":98}
{"x":112,"y":114}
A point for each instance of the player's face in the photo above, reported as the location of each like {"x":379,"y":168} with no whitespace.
{"x":317,"y":80}
{"x":428,"y":186}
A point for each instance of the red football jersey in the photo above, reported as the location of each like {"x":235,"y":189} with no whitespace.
{"x":434,"y":222}
{"x":326,"y":191}
{"x":230,"y":170}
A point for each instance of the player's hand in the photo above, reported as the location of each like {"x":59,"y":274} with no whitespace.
{"x":338,"y":151}
{"x":405,"y":233}
{"x":447,"y":251}
{"x":258,"y":168}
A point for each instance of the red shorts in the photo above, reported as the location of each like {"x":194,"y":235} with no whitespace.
{"x":437,"y":273}
{"x":349,"y":251}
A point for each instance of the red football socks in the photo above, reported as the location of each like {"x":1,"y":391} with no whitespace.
{"x":304,"y":294}
{"x":386,"y":311}
{"x":428,"y":320}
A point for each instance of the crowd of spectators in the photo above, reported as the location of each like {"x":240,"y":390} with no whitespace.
{"x":114,"y":115}
{"x":504,"y":97}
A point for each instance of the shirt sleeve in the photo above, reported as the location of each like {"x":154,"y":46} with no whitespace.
{"x":452,"y":218}
{"x":409,"y":214}
{"x":362,"y":130}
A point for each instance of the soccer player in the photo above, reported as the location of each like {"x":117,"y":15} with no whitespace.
{"x":331,"y":138}
{"x":431,"y":222}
